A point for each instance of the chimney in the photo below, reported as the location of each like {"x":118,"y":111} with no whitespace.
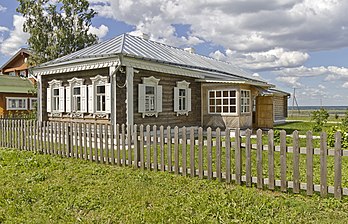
{"x":190,"y":50}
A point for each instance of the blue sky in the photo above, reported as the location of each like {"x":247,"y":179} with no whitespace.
{"x":300,"y":44}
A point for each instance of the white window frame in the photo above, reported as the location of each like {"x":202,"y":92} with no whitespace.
{"x":143,"y":97}
{"x":8,"y":99}
{"x":222,"y":100}
{"x":245,"y":101}
{"x":31,"y":104}
{"x":56,"y":84}
{"x":182,"y":104}
{"x":71,"y":103}
{"x":92,"y":96}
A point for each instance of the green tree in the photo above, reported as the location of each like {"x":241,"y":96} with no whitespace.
{"x":345,"y":119}
{"x":56,"y":28}
{"x":320,"y":118}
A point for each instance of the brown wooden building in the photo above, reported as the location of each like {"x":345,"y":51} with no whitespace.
{"x":17,"y":94}
{"x":132,"y":80}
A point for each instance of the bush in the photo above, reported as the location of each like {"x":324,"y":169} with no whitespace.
{"x":320,"y":118}
{"x":345,"y":119}
{"x":331,"y":136}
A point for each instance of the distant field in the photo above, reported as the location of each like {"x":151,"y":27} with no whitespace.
{"x":304,"y":113}
{"x":38,"y":188}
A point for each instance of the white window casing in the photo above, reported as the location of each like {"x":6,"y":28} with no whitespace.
{"x":49,"y":104}
{"x":68,"y":99}
{"x":91,"y":107}
{"x":16,"y":103}
{"x":108,"y":98}
{"x":149,"y":97}
{"x":222,"y":102}
{"x":77,"y":97}
{"x":182,"y":98}
{"x":245,"y":101}
{"x":32,"y":103}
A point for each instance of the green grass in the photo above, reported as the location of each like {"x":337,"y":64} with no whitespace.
{"x":38,"y":188}
{"x":301,"y":126}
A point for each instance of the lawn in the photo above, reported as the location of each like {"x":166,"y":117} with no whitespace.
{"x":38,"y":188}
{"x":301,"y":126}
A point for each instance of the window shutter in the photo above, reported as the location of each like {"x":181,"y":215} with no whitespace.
{"x":61,"y":99}
{"x":49,"y":104}
{"x":176,"y":99}
{"x":159,"y":99}
{"x":67,"y":99}
{"x":91,"y":99}
{"x":108,"y":98}
{"x":141,"y":98}
{"x":188,"y":99}
{"x":84,"y":99}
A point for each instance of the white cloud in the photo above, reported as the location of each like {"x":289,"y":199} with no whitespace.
{"x":292,"y":82}
{"x":272,"y":59}
{"x":2,"y":8}
{"x":4,"y":29}
{"x":100,"y":31}
{"x":17,"y":37}
{"x":345,"y":85}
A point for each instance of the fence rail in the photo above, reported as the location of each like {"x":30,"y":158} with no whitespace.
{"x":192,"y":152}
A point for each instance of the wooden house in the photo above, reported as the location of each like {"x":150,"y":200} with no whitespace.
{"x":17,"y":93}
{"x":133,"y":80}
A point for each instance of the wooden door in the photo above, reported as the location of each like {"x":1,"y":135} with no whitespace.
{"x":264,"y":112}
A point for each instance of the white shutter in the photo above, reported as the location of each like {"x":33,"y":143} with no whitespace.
{"x":176,"y":99}
{"x":61,"y":99}
{"x":83,"y":99}
{"x":49,"y":100}
{"x":141,"y":98}
{"x":91,"y":99}
{"x":68,"y":99}
{"x":188,"y":99}
{"x":159,"y":99}
{"x":108,"y":98}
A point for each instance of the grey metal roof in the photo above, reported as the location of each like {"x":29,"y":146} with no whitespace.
{"x":137,"y":47}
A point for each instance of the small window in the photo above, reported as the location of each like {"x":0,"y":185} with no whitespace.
{"x":55,"y":98}
{"x":245,"y":101}
{"x":150,"y":97}
{"x":76,"y":101}
{"x":16,"y":104}
{"x":101,"y":97}
{"x":222,"y":102}
{"x":182,"y":98}
{"x":33,"y":104}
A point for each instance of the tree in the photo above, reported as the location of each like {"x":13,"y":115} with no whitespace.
{"x":56,"y":28}
{"x":320,"y":118}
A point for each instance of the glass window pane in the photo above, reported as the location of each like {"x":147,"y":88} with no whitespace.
{"x":225,"y":93}
{"x":233,"y":93}
{"x":218,"y":93}
{"x":77,"y":91}
{"x":218,"y":109}
{"x":218,"y":101}
{"x":225,"y":102}
{"x":233,"y":109}
{"x":55,"y":92}
{"x":100,"y":89}
{"x":225,"y":109}
{"x":232,"y":101}
{"x":212,"y":102}
{"x":150,"y":90}
{"x":212,"y":109}
{"x":211,"y":94}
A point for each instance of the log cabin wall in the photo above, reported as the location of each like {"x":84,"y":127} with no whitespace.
{"x":168,"y":116}
{"x":3,"y":109}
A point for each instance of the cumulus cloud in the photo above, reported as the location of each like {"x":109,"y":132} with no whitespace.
{"x":4,"y":29}
{"x":267,"y":60}
{"x":17,"y":37}
{"x":100,"y":31}
{"x":2,"y":8}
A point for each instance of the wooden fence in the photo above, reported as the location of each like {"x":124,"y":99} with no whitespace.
{"x":220,"y":155}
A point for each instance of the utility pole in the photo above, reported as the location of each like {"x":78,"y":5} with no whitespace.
{"x":294,"y":100}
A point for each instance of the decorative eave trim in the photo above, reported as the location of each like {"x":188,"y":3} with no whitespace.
{"x":236,"y":82}
{"x":76,"y":66}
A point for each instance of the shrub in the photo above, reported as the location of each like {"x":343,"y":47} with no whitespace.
{"x":345,"y":119}
{"x":320,"y":118}
{"x":331,"y":136}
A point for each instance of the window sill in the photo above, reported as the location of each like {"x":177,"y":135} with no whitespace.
{"x":178,"y":113}
{"x":17,"y":109}
{"x":150,"y":114}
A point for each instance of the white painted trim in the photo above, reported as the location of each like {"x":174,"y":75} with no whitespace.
{"x":31,"y":99}
{"x":223,"y":113}
{"x":130,"y":96}
{"x":17,"y":98}
{"x":249,"y":91}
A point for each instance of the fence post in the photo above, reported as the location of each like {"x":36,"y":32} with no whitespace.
{"x":148,"y":147}
{"x":218,"y":154}
{"x":176,"y":150}
{"x":169,"y":146}
{"x":283,"y":149}
{"x":162,"y":148}
{"x":142,"y":160}
{"x":228,"y":155}
{"x":309,"y":163}
{"x":129,"y":143}
{"x":136,"y":146}
{"x":259,"y":159}
{"x":323,"y":165}
{"x":123,"y":142}
{"x":192,"y":152}
{"x":209,"y":154}
{"x":296,"y":163}
{"x":155,"y":160}
{"x":271,"y":159}
{"x":248,"y":158}
{"x":184,"y":152}
{"x":238,"y":157}
{"x":200,"y":153}
{"x":338,"y":166}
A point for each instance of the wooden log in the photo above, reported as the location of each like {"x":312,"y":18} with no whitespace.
{"x":192,"y":152}
{"x":259,"y":161}
{"x":271,"y":182}
{"x":200,"y":153}
{"x":248,"y":158}
{"x":296,"y":162}
{"x":176,"y":150}
{"x":184,"y":152}
{"x":228,"y":155}
{"x":323,"y":165}
{"x":238,"y":158}
{"x":338,"y":166}
{"x":209,"y":154}
{"x":309,"y":163}
{"x":283,"y":150}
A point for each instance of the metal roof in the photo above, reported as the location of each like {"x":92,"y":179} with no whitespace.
{"x":137,"y":47}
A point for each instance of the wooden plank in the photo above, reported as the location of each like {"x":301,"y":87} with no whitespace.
{"x":95,"y":130}
{"x":123,"y":142}
{"x":184,"y":152}
{"x":84,"y":130}
{"x":192,"y":152}
{"x":66,"y":140}
{"x":16,"y":133}
{"x":59,"y":138}
{"x":129,"y":144}
{"x":283,"y":186}
{"x":296,"y":162}
{"x":163,"y":167}
{"x":176,"y":150}
{"x":118,"y":145}
{"x":309,"y":163}
{"x":338,"y":166}
{"x":76,"y":141}
{"x":271,"y":160}
{"x":169,"y":149}
{"x":80,"y":137}
{"x":218,"y":154}
{"x":155,"y":154}
{"x":106,"y":137}
{"x":141,"y":144}
{"x":45,"y":128}
{"x":228,"y":155}
{"x":248,"y":157}
{"x":112,"y":143}
{"x":148,"y":147}
{"x":238,"y":158}
{"x":55,"y":138}
{"x":209,"y":154}
{"x":101,"y":142}
{"x":200,"y":153}
{"x":323,"y":165}
{"x":259,"y":161}
{"x":136,"y":149}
